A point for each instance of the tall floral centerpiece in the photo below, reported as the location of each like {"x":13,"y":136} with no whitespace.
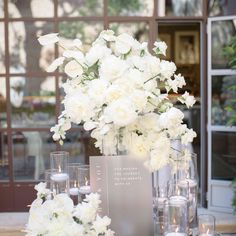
{"x":120,"y":91}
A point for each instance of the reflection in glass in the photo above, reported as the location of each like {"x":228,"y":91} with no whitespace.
{"x":179,"y":8}
{"x":4,"y":163}
{"x":223,"y":100}
{"x":26,"y":54}
{"x":3,"y":103}
{"x":221,"y":8}
{"x":138,"y":30}
{"x":2,"y":48}
{"x":223,"y":155}
{"x":75,"y":143}
{"x":130,"y":8}
{"x":32,"y":101}
{"x":31,"y":152}
{"x":73,"y":8}
{"x":222,"y":33}
{"x":30,"y":8}
{"x":87,"y":32}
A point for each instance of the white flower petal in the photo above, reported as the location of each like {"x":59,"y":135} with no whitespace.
{"x":57,"y":62}
{"x":73,"y":69}
{"x":48,"y":39}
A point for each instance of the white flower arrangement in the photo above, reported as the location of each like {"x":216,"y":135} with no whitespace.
{"x":119,"y":89}
{"x":59,"y":216}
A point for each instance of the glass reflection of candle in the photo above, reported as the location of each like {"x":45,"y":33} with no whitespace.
{"x":206,"y":225}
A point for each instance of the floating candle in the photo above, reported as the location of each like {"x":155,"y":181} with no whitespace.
{"x":60,"y":177}
{"x":85,"y":189}
{"x":74,"y":191}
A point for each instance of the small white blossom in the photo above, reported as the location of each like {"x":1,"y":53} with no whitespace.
{"x":160,"y":48}
{"x":57,"y":62}
{"x":73,"y":69}
{"x":124,"y":43}
{"x":187,"y":99}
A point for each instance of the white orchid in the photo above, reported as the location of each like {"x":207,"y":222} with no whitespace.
{"x":118,"y":90}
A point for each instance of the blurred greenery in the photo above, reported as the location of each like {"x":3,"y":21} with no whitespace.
{"x":230,"y":52}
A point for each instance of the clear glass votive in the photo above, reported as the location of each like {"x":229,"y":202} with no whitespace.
{"x":47,"y":178}
{"x":159,"y":226}
{"x":206,"y":225}
{"x":73,"y":171}
{"x":176,"y":216}
{"x":189,"y":188}
{"x":59,"y":161}
{"x":84,"y":180}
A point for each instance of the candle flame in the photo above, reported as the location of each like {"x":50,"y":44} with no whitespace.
{"x":75,"y":183}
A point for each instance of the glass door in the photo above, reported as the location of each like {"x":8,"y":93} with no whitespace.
{"x":221,"y":114}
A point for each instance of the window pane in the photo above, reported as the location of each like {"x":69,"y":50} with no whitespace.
{"x":140,"y":31}
{"x":87,"y":32}
{"x":179,"y":8}
{"x":223,"y":100}
{"x":130,"y":8}
{"x":32,"y":101}
{"x":222,"y":8}
{"x":80,"y":8}
{"x":1,"y":9}
{"x":30,"y":8}
{"x":26,"y":54}
{"x":2,"y":49}
{"x":222,"y":33}
{"x":75,"y":144}
{"x":223,"y":155}
{"x":3,"y":103}
{"x":4,"y":163}
{"x":31,"y":154}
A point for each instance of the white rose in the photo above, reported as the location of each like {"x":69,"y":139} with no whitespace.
{"x":136,"y":78}
{"x":97,"y":89}
{"x":139,"y":146}
{"x":78,"y":107}
{"x":48,"y":39}
{"x":73,"y":69}
{"x":96,"y":53}
{"x":123,"y":43}
{"x":121,"y":112}
{"x":167,"y":69}
{"x":171,"y":118}
{"x":152,"y":65}
{"x":112,"y":68}
{"x":139,"y":99}
{"x":150,"y":121}
{"x":114,"y":92}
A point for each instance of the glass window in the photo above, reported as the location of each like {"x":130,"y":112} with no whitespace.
{"x":130,"y":8}
{"x":30,"y":8}
{"x":223,"y":100}
{"x":1,"y":9}
{"x":3,"y":103}
{"x":80,"y":8}
{"x":222,"y":33}
{"x":140,"y":31}
{"x":26,"y":54}
{"x":32,"y":101}
{"x":75,"y":144}
{"x":4,"y":162}
{"x":223,"y":155}
{"x":221,"y":7}
{"x":2,"y":49}
{"x":179,"y":8}
{"x":31,"y":154}
{"x":87,"y":32}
